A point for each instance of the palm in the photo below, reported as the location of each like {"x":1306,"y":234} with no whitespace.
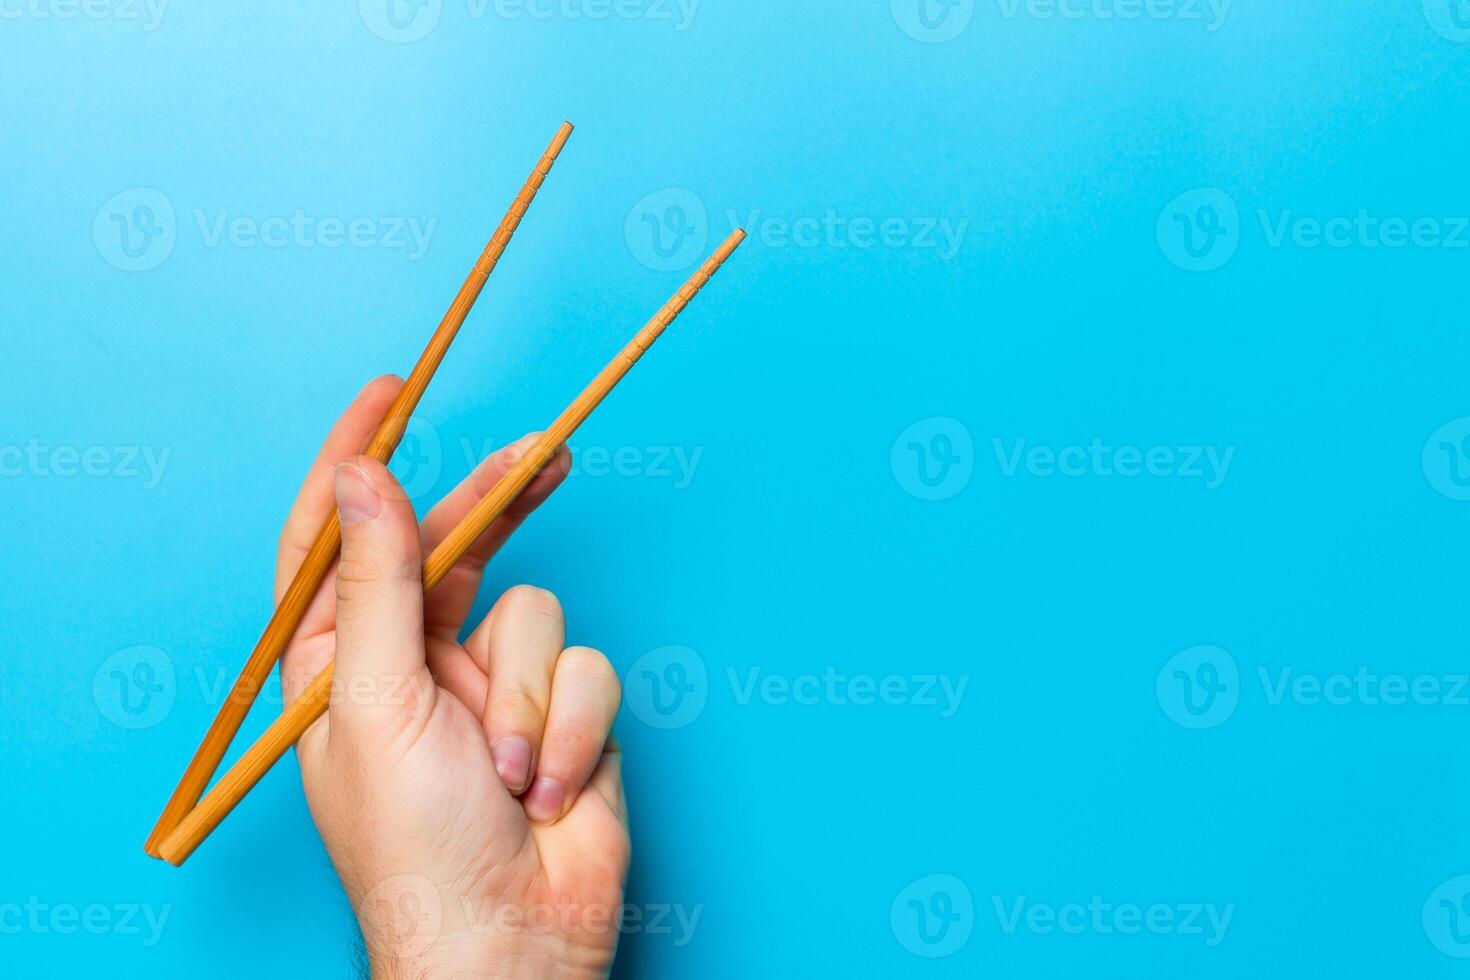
{"x":415,"y":795}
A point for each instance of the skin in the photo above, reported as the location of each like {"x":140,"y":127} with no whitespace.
{"x":469,"y":794}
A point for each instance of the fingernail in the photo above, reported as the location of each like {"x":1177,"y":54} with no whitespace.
{"x":543,"y":802}
{"x":517,"y":449}
{"x":512,"y":755}
{"x":357,"y":500}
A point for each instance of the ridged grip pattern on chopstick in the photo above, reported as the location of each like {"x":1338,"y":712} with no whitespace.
{"x":288,"y":614}
{"x":313,"y":702}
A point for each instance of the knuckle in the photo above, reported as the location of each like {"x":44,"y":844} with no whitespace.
{"x":565,"y":745}
{"x":382,"y":385}
{"x":528,"y":600}
{"x":357,"y":570}
{"x":518,"y":707}
{"x":591,"y":668}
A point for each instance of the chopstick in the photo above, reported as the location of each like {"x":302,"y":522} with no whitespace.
{"x":312,"y":703}
{"x":323,"y":552}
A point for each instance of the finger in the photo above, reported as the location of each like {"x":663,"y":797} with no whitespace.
{"x":457,"y":673}
{"x":594,"y":827}
{"x":449,"y":604}
{"x":381,"y":676}
{"x":585,"y":693}
{"x":519,"y":655}
{"x":314,"y":502}
{"x":607,"y":779}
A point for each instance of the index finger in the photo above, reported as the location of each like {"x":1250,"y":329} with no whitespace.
{"x":315,"y":502}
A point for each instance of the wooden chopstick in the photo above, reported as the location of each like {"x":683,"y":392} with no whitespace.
{"x":323,"y":552}
{"x":310,"y":705}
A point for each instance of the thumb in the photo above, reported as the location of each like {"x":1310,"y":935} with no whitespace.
{"x":380,"y":619}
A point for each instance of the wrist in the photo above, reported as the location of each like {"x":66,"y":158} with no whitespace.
{"x":457,"y":958}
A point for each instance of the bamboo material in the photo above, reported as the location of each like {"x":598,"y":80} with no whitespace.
{"x":323,"y":552}
{"x":312,"y":703}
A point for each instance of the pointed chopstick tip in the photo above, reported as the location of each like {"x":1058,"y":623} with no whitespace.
{"x":559,"y":140}
{"x":730,"y":245}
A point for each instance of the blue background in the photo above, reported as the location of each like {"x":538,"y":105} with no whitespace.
{"x":804,"y":539}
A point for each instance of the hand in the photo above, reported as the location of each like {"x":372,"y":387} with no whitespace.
{"x":469,"y":795}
